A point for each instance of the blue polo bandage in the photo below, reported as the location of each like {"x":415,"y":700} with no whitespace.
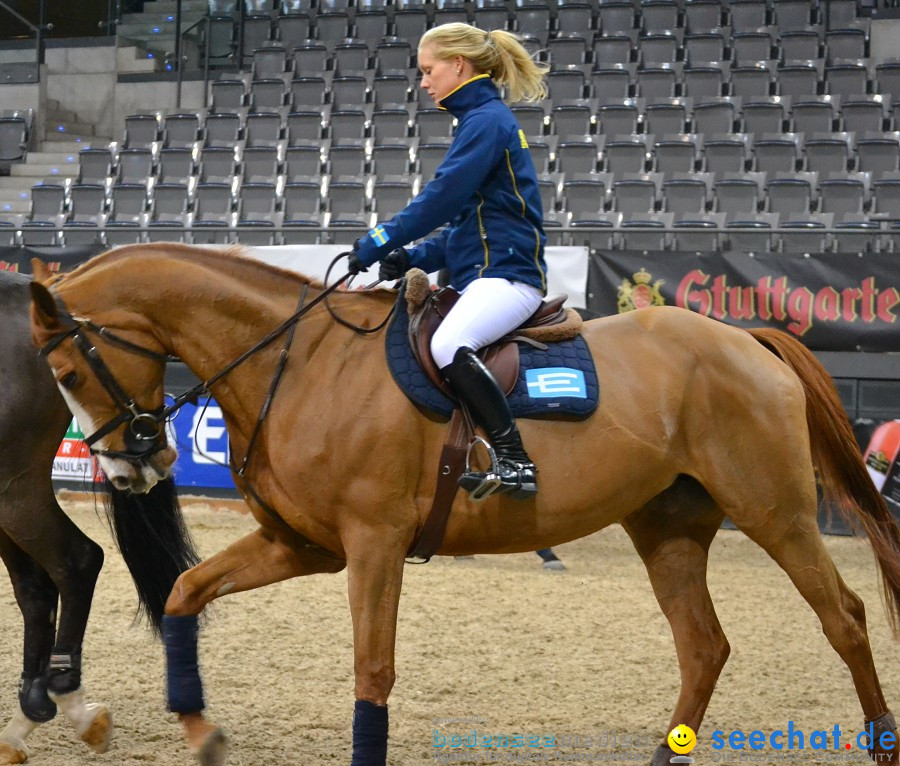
{"x":185,"y":689}
{"x":370,"y":733}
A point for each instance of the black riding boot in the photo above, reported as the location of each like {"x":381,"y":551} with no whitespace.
{"x":476,"y":387}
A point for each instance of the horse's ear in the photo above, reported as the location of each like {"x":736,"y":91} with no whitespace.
{"x":40,"y":271}
{"x":44,"y":310}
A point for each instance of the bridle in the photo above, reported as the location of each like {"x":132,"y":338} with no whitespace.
{"x":145,"y":427}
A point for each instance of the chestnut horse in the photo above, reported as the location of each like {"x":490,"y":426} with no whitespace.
{"x":698,"y":421}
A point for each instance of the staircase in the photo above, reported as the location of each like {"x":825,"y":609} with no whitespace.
{"x":152,"y":32}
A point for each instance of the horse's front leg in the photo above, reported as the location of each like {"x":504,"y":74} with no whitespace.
{"x":261,"y":558}
{"x":375,"y":575}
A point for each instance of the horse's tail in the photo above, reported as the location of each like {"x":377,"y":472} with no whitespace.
{"x":840,"y":467}
{"x":149,"y":531}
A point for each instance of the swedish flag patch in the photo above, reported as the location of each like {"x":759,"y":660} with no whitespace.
{"x":522,"y":140}
{"x":379,"y":235}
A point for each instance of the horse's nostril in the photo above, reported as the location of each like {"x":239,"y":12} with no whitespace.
{"x":120,"y":482}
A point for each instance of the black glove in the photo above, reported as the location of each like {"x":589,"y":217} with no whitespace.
{"x":394,"y":265}
{"x":354,"y":265}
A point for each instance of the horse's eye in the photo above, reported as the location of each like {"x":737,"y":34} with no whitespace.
{"x":69,"y":380}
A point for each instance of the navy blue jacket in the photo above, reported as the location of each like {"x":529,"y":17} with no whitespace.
{"x":486,"y":188}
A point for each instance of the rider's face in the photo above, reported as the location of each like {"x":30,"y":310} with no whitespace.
{"x":439,"y":76}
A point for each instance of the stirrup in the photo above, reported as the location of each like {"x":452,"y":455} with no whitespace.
{"x":480,"y":485}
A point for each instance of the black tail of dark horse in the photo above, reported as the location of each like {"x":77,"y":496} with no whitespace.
{"x":149,"y":531}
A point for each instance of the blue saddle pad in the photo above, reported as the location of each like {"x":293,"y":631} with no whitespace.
{"x":560,"y":381}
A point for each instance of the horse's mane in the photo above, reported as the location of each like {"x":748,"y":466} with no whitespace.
{"x":235,"y":254}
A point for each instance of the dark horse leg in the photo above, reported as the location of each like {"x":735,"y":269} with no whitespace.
{"x":47,"y":556}
{"x":672,"y":534}
{"x":50,"y":558}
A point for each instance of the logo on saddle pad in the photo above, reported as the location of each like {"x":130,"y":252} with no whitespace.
{"x":641,"y":293}
{"x":545,"y":382}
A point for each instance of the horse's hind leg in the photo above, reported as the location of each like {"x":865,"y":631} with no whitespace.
{"x":36,"y":596}
{"x":672,"y":535}
{"x":792,"y":538}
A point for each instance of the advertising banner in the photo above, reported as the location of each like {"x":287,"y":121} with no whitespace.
{"x":198,"y":432}
{"x":831,"y":301}
{"x":73,"y":461}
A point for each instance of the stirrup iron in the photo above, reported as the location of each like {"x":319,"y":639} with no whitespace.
{"x":480,"y":487}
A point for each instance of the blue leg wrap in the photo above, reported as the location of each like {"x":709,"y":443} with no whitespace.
{"x":370,"y":734}
{"x":182,"y":674}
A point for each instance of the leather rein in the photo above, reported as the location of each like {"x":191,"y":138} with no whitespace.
{"x":142,"y":438}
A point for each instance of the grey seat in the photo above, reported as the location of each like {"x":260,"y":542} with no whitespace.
{"x":347,"y":122}
{"x":585,"y":197}
{"x":128,"y":203}
{"x":858,"y":234}
{"x":349,"y":89}
{"x":170,"y":202}
{"x":575,"y":119}
{"x":304,"y":126}
{"x":13,"y":139}
{"x":658,"y":15}
{"x":705,"y":80}
{"x":39,"y":233}
{"x":714,"y":116}
{"x":223,"y":129}
{"x":268,"y":95}
{"x":257,"y":202}
{"x":702,"y":15}
{"x":812,"y":114}
{"x":260,"y":164}
{"x":610,"y":49}
{"x":752,"y":80}
{"x":800,"y":44}
{"x":624,"y":154}
{"x":792,"y":15}
{"x":861,"y":114}
{"x":886,"y":196}
{"x":644,"y":240}
{"x":182,"y":130}
{"x":749,"y":45}
{"x":684,"y":195}
{"x":888,"y":79}
{"x":95,"y":165}
{"x":213,"y":203}
{"x":87,"y":202}
{"x":390,"y":197}
{"x":141,"y":131}
{"x":348,"y":159}
{"x":841,"y":196}
{"x":393,"y":88}
{"x":776,"y":152}
{"x":393,"y":54}
{"x":227,"y":95}
{"x":270,"y":62}
{"x":845,"y":43}
{"x":847,"y":78}
{"x":698,"y":232}
{"x":308,"y":92}
{"x":617,"y":117}
{"x":331,"y":27}
{"x":878,"y":154}
{"x":615,"y":17}
{"x":659,"y":48}
{"x":257,"y":31}
{"x":391,"y":159}
{"x":828,"y":153}
{"x":675,"y":154}
{"x":371,"y":24}
{"x":800,"y":78}
{"x":565,"y":84}
{"x":666,"y":116}
{"x":608,"y":222}
{"x":263,"y":129}
{"x":735,"y":196}
{"x":391,"y":121}
{"x":808,"y":235}
{"x":788,"y":193}
{"x":725,"y":153}
{"x":657,"y":81}
{"x":531,"y":20}
{"x":569,"y":48}
{"x":352,"y":55}
{"x":310,"y":57}
{"x":135,"y":165}
{"x":433,"y":123}
{"x":47,"y":201}
{"x":751,"y":232}
{"x":531,"y":118}
{"x":705,"y":46}
{"x":611,"y":81}
{"x":634,"y":195}
{"x":217,"y":163}
{"x":765,"y":115}
{"x":302,"y":202}
{"x":576,"y":156}
{"x":748,"y":14}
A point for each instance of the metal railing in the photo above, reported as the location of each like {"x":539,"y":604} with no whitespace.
{"x":37,"y":30}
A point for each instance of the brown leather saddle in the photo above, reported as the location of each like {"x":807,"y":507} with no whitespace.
{"x":501,"y":357}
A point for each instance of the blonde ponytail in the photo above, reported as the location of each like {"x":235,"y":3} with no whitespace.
{"x":498,"y":53}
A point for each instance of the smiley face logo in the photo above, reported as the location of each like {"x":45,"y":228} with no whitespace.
{"x":682,"y":739}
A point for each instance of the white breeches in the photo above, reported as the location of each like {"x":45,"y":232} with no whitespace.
{"x":487,"y":309}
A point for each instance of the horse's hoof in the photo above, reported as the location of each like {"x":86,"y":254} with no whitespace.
{"x":213,"y":750}
{"x":12,"y":754}
{"x":661,"y":756}
{"x":554,"y":565}
{"x":98,"y":734}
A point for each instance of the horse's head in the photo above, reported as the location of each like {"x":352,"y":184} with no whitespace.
{"x":110,"y":370}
